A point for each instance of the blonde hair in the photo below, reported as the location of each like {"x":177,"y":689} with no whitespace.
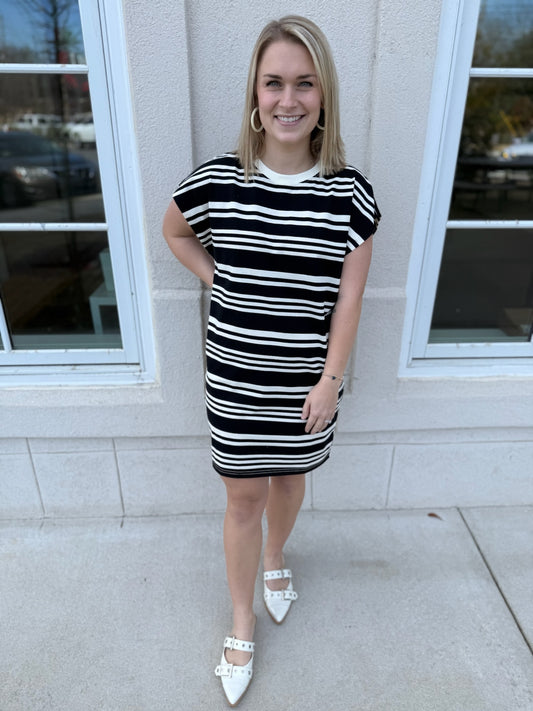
{"x":327,"y":145}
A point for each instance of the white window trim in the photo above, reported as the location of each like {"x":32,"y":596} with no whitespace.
{"x":450,"y":87}
{"x":109,"y":83}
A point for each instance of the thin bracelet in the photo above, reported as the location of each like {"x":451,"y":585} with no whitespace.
{"x":333,"y":377}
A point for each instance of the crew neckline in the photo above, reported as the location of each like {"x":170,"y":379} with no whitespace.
{"x":287,"y":178}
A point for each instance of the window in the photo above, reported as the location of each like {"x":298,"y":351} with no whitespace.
{"x":71,"y":296}
{"x":471,"y":280}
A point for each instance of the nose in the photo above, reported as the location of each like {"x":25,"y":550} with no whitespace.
{"x":288,"y":97}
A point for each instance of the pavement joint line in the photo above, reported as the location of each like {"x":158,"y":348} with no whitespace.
{"x":495,"y":581}
{"x":36,"y":479}
{"x":119,"y":482}
{"x":389,"y":481}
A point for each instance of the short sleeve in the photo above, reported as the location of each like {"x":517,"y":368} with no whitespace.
{"x":364,"y":215}
{"x":192,"y":198}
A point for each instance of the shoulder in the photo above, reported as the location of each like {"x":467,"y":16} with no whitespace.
{"x":350,"y":178}
{"x":358,"y":177}
{"x":220,"y":168}
{"x":225,"y":163}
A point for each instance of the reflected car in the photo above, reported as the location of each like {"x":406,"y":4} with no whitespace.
{"x":33,"y":168}
{"x":41,"y":124}
{"x":81,"y":132}
{"x":523,"y":150}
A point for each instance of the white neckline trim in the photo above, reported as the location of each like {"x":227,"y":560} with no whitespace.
{"x":286,"y":178}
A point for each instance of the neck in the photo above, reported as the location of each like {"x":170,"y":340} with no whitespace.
{"x":288,"y":160}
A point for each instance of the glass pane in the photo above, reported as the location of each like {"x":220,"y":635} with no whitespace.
{"x":57,"y":290}
{"x":485,"y":288}
{"x":41,"y":31}
{"x":494,"y":176}
{"x":505,"y":34}
{"x":48,"y":159}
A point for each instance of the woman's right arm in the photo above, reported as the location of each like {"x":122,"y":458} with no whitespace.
{"x":186,"y":246}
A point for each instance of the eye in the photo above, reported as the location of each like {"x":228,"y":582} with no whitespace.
{"x":306,"y":84}
{"x":273,"y":83}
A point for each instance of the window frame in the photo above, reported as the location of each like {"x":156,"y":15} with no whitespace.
{"x":107,"y":71}
{"x":453,"y":71}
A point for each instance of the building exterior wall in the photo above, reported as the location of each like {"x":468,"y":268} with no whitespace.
{"x":401,"y":442}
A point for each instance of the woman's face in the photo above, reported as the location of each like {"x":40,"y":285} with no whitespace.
{"x":288,"y":95}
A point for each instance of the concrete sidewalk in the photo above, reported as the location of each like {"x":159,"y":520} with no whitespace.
{"x":398,"y":611}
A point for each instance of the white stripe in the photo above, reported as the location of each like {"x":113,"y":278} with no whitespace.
{"x":252,"y":308}
{"x":260,"y":336}
{"x":263,"y":359}
{"x":250,"y":367}
{"x":289,"y":217}
{"x":300,"y":440}
{"x":293,"y":412}
{"x":325,"y":307}
{"x":281,"y":276}
{"x":286,"y":240}
{"x":333,"y":190}
{"x":355,"y":237}
{"x":255,"y":390}
{"x":253,"y":247}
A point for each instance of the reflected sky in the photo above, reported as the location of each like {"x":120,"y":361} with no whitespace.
{"x":26,"y":31}
{"x":505,"y":34}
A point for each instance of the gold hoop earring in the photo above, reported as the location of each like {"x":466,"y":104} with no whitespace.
{"x":321,"y":128}
{"x":252,"y":121}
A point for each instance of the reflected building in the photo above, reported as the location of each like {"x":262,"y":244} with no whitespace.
{"x":53,"y":289}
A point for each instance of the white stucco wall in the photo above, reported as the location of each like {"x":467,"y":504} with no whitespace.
{"x":401,"y":441}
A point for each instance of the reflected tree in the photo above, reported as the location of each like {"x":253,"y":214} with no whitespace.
{"x":59,"y":43}
{"x":52,"y":17}
{"x":500,"y":110}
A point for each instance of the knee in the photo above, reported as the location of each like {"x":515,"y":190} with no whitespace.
{"x":289,"y":486}
{"x":246,"y":509}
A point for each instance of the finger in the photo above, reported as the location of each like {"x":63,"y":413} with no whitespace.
{"x":313,"y":424}
{"x":319,"y":425}
{"x":325,"y":424}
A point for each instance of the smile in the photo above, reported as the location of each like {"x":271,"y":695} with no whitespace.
{"x":288,"y":119}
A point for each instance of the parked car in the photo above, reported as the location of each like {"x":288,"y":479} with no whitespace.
{"x":40,"y":124}
{"x":34,"y":168}
{"x":81,"y":131}
{"x":521,"y":150}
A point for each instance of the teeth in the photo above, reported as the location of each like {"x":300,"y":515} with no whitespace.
{"x":288,"y":119}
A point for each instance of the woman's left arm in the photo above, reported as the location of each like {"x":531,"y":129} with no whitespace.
{"x":321,"y":402}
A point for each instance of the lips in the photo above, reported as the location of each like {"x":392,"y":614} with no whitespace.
{"x":288,"y":120}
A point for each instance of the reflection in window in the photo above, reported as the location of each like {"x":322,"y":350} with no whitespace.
{"x":56,"y":287}
{"x":41,"y":32}
{"x":47,"y":139}
{"x":57,"y":290}
{"x":485,"y":289}
{"x":42,"y":180}
{"x":485,"y":286}
{"x":505,"y":34}
{"x":494,"y":176}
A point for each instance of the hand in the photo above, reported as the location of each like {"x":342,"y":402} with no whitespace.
{"x":320,"y":405}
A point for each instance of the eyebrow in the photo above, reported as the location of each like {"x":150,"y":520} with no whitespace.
{"x":278,"y":76}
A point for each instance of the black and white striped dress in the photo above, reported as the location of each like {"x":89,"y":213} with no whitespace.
{"x":279,"y":242}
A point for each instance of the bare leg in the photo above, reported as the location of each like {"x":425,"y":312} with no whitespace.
{"x":243,"y":539}
{"x":284,"y":501}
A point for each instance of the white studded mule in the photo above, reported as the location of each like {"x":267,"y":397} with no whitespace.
{"x":278,"y":602}
{"x":235,"y":679}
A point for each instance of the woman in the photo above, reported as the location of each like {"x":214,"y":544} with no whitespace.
{"x":281,"y":230}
